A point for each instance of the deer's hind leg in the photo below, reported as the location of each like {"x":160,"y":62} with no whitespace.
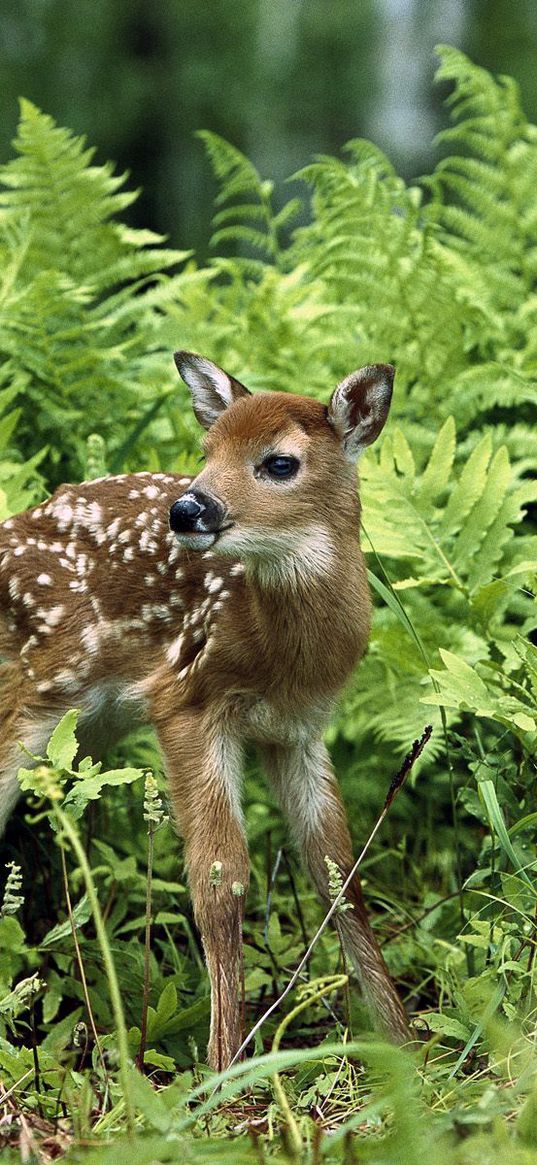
{"x":22,"y":721}
{"x":307,"y":789}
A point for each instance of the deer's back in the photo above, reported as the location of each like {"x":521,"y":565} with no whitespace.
{"x":99,"y":603}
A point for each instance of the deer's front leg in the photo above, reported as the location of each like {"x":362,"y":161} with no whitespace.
{"x":308,"y":792}
{"x":204,"y":773}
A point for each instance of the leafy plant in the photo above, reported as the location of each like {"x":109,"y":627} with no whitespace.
{"x":77,"y":295}
{"x":440,"y":277}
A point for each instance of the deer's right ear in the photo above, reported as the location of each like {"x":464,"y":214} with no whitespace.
{"x":213,"y":390}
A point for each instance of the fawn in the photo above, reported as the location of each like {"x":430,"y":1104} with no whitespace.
{"x":225,"y":609}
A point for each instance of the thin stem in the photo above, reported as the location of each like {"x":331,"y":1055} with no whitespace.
{"x":113,"y":985}
{"x":80,"y":963}
{"x":332,"y":983}
{"x":147,"y":950}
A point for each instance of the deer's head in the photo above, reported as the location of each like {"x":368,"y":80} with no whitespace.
{"x":279,"y":467}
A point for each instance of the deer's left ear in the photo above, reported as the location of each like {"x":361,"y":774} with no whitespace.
{"x":360,"y":406}
{"x":213,"y":390}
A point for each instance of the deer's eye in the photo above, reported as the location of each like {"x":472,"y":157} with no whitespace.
{"x":280,"y":467}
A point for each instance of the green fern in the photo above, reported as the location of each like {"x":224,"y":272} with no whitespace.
{"x":78,"y":293}
{"x":447,"y":538}
{"x":245,"y":217}
{"x":382,"y":271}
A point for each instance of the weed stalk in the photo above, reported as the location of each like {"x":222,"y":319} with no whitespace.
{"x":68,"y":830}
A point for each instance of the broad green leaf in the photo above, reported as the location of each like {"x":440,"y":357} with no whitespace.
{"x":459,"y":686}
{"x":149,"y":1103}
{"x":167,"y":1004}
{"x":436,"y":474}
{"x":89,"y":789}
{"x":63,"y":745}
{"x":446,"y":1025}
{"x":487,"y":598}
{"x":81,"y":914}
{"x":403,"y":455}
{"x":469,"y":487}
{"x":485,"y":509}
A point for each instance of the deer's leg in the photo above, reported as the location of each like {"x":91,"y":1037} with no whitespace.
{"x":20,"y":722}
{"x":204,"y":773}
{"x":306,"y":786}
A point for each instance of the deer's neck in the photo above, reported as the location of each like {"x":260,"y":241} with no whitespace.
{"x":312,"y":614}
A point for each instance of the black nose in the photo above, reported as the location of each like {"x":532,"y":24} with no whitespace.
{"x":185,"y":513}
{"x":195,"y":512}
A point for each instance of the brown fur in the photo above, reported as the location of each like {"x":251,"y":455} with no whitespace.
{"x":249,"y":641}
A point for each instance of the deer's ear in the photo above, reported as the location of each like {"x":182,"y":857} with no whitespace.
{"x":360,"y":405}
{"x":212,"y":389}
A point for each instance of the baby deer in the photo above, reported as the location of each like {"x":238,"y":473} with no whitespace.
{"x":224,"y":609}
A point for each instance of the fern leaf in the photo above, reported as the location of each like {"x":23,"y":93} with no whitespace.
{"x":436,"y":476}
{"x":485,"y":510}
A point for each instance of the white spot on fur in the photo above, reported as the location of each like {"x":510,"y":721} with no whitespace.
{"x":64,"y":515}
{"x":95,"y":514}
{"x":113,"y":529}
{"x":66,"y":678}
{"x":53,"y":616}
{"x":174,"y":651}
{"x":44,"y":580}
{"x":147,"y":543}
{"x":91,"y":639}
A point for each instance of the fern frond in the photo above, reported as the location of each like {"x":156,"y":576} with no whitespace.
{"x":251,"y":221}
{"x":80,"y":292}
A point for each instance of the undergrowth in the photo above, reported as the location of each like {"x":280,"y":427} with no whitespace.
{"x":95,"y":973}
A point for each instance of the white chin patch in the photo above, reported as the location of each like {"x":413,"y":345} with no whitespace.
{"x":196,"y":541}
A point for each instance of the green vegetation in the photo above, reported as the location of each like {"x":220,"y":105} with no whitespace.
{"x":439,"y":278}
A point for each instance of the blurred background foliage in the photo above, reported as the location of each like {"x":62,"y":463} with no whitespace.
{"x":281,"y":79}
